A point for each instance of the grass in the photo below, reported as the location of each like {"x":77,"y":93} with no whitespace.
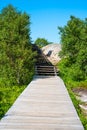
{"x":7,"y":97}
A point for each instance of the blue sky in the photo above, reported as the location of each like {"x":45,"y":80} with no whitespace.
{"x":47,"y":15}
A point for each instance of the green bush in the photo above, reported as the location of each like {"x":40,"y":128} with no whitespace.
{"x":76,"y":73}
{"x":16,"y":56}
{"x":7,"y":96}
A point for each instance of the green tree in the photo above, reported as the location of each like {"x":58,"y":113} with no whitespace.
{"x":16,"y":56}
{"x":41,"y":42}
{"x":74,"y":47}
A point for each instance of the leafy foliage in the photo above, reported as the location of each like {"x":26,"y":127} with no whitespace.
{"x":41,"y":42}
{"x":74,"y":47}
{"x":73,"y":64}
{"x":7,"y":96}
{"x":16,"y":56}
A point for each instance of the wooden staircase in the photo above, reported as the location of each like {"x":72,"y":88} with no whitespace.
{"x":43,"y":66}
{"x":45,"y":70}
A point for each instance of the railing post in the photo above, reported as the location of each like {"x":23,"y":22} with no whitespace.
{"x":55,"y":71}
{"x":35,"y":69}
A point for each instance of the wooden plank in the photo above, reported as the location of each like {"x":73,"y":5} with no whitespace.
{"x":44,"y":105}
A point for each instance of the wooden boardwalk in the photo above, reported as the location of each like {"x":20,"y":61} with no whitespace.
{"x":44,"y":105}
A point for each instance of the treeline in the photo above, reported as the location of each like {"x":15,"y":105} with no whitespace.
{"x":16,"y":55}
{"x":41,"y":42}
{"x":73,"y":65}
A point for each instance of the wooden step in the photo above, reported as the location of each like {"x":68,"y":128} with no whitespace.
{"x":45,"y":70}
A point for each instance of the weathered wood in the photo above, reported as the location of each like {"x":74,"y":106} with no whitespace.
{"x":44,"y":105}
{"x":45,"y":70}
